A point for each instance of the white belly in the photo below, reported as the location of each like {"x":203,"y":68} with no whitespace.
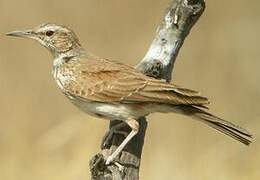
{"x":111,"y":111}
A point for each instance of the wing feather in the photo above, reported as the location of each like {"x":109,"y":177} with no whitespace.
{"x":112,"y":82}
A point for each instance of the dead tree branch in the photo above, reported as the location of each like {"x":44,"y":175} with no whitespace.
{"x":158,"y":63}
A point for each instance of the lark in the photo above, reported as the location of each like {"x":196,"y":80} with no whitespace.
{"x":115,"y":91}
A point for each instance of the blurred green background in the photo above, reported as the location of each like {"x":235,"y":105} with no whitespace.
{"x":43,"y":136}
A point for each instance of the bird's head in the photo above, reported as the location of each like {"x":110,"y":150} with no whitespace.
{"x":56,"y":38}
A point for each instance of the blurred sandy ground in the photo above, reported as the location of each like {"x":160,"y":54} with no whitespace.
{"x":43,"y":136}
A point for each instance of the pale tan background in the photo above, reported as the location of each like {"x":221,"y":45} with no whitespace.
{"x":44,"y":137}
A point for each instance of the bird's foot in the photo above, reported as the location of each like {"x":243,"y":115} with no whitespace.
{"x":120,"y":167}
{"x":111,"y":159}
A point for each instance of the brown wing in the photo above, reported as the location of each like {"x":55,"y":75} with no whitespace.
{"x":106,"y":81}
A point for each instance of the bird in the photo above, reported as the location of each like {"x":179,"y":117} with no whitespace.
{"x":111,"y":90}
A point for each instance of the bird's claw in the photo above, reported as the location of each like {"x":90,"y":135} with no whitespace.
{"x":120,"y":167}
{"x":110,"y":159}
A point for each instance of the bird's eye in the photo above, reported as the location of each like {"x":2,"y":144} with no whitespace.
{"x":49,"y":33}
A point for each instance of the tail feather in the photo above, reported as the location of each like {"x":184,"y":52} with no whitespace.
{"x":235,"y":135}
{"x":219,"y":124}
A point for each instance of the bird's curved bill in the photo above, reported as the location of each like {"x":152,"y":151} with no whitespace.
{"x":25,"y":33}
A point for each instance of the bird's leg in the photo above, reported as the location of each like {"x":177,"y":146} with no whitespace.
{"x":135,"y":127}
{"x":114,"y":130}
